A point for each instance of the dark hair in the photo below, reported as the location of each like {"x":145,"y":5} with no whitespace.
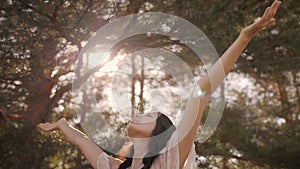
{"x":156,"y":144}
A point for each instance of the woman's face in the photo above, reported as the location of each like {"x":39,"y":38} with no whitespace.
{"x":142,"y":125}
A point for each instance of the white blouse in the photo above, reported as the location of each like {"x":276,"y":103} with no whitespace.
{"x":168,"y":158}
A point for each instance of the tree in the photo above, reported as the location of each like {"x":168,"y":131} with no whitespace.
{"x":41,"y":40}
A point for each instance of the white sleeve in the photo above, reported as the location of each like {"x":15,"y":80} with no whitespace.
{"x":169,"y":156}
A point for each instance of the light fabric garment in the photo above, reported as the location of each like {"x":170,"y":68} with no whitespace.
{"x":167,"y":159}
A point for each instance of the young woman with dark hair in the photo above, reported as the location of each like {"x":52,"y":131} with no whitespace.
{"x":156,"y":142}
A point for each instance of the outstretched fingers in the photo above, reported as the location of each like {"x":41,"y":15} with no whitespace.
{"x":47,"y":126}
{"x":275,"y":6}
{"x":266,"y":14}
{"x":271,"y":11}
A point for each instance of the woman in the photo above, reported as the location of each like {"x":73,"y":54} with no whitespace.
{"x":149,"y":151}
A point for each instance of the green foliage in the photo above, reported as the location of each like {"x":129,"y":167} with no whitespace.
{"x":28,"y":147}
{"x":272,"y":146}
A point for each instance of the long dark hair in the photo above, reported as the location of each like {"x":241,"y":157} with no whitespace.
{"x":156,"y":144}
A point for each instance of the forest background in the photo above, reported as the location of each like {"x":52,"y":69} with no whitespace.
{"x":40,"y":44}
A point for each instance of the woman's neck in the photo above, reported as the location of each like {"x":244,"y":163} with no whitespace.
{"x":140,"y":147}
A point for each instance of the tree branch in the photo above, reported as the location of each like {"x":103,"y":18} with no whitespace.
{"x":59,"y":94}
{"x":34,"y":9}
{"x":84,"y":13}
{"x":55,"y":22}
{"x":62,"y":31}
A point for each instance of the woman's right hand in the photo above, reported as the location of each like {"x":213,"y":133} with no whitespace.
{"x":52,"y":126}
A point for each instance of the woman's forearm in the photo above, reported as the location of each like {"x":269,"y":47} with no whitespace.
{"x":88,"y":148}
{"x":73,"y":134}
{"x":222,"y":67}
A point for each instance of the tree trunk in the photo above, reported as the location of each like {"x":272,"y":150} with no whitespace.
{"x":133,"y":88}
{"x":141,"y":79}
{"x":38,"y":101}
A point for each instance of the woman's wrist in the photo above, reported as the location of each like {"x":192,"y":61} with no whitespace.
{"x":249,"y":32}
{"x":61,"y":122}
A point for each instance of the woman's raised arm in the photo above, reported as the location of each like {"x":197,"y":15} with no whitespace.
{"x":88,"y":148}
{"x":227,"y":60}
{"x":208,"y":83}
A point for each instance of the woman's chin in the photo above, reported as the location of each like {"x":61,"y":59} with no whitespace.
{"x":130,"y":130}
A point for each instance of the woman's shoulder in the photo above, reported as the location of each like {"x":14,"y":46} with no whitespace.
{"x":169,"y":156}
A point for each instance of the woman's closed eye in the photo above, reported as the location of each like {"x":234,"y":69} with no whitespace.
{"x":149,"y":115}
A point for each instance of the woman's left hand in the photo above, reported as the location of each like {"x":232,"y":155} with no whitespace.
{"x":268,"y":16}
{"x":264,"y":21}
